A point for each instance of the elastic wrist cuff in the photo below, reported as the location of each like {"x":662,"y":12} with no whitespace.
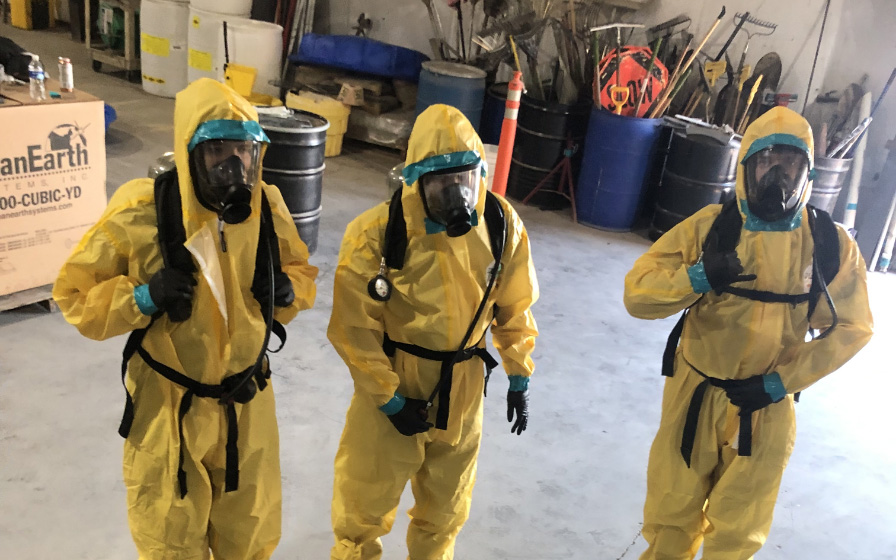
{"x":518,"y":383}
{"x":394,"y":404}
{"x":697,"y":274}
{"x":774,"y":386}
{"x":144,"y":302}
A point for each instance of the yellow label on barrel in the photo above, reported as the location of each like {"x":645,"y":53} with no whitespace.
{"x":200,"y":60}
{"x":158,"y":46}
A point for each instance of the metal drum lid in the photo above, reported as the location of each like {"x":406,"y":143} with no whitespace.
{"x":296,"y":122}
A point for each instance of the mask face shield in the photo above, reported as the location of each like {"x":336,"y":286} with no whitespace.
{"x":224,"y":174}
{"x":449,"y":197}
{"x":776,"y":179}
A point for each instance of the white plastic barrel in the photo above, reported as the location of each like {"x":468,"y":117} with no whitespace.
{"x":252,"y":43}
{"x":258,"y":44}
{"x":204,"y":31}
{"x":229,"y":7}
{"x":163,"y":46}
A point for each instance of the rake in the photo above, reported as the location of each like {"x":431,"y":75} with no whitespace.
{"x":744,"y":70}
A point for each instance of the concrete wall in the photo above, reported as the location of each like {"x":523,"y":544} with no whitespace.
{"x":866,"y":43}
{"x":406,"y":23}
{"x":399,"y":22}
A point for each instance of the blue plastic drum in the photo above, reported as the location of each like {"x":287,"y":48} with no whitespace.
{"x":619,"y":153}
{"x":454,"y":84}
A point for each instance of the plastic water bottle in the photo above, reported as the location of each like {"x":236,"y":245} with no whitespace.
{"x":66,"y":76}
{"x":36,"y":77}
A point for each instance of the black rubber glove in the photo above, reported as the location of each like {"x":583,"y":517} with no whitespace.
{"x":171,"y":291}
{"x":754,"y":393}
{"x":518,"y":402}
{"x":412,"y":418}
{"x":283,"y":292}
{"x":721,"y":268}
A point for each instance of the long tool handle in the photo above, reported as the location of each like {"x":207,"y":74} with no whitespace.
{"x":460,"y":28}
{"x":595,"y":83}
{"x":840,"y":149}
{"x":226,"y":50}
{"x":618,"y":57}
{"x":743,"y":121}
{"x":644,"y":83}
{"x":731,"y":37}
{"x":884,"y":92}
{"x":694,"y":53}
{"x":876,"y":105}
{"x":656,"y":101}
{"x":678,"y":86}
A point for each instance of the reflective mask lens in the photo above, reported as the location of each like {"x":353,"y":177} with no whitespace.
{"x":775,"y":181}
{"x":450,"y":197}
{"x":225,"y":171}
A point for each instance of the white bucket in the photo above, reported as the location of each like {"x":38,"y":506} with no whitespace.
{"x":163,"y":46}
{"x":258,"y":44}
{"x":228,"y":7}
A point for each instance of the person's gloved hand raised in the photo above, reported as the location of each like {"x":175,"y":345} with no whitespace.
{"x":283,"y":292}
{"x":411,"y":418}
{"x":721,"y":268}
{"x":757,"y":392}
{"x":171,"y":290}
{"x":518,"y":405}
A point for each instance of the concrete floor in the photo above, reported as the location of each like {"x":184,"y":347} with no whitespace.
{"x":571,"y":487}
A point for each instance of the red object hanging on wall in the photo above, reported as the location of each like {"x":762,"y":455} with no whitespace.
{"x":635,"y":61}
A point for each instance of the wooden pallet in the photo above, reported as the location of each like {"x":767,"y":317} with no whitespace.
{"x":42,"y":295}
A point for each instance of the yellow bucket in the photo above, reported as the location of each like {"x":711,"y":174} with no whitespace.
{"x":327,"y":107}
{"x":240,"y":78}
{"x":264,"y":100}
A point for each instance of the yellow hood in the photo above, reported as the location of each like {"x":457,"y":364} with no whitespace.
{"x":778,"y":125}
{"x":202,"y":101}
{"x":439,"y":130}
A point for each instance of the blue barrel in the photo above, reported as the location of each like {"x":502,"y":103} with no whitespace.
{"x":493,"y":114}
{"x":619,"y":154}
{"x":454,"y":84}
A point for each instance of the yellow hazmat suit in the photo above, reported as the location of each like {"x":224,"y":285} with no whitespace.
{"x":95,"y":291}
{"x":435,"y":297}
{"x":724,"y":500}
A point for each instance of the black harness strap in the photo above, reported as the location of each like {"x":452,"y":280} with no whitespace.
{"x":395,"y":243}
{"x":766,"y":297}
{"x":672,"y":346}
{"x":203,"y":390}
{"x":448,"y":360}
{"x":689,"y":433}
{"x":394,"y":250}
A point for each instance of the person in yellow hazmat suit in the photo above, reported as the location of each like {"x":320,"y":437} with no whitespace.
{"x":200,"y":266}
{"x":419,"y":280}
{"x":775,"y":299}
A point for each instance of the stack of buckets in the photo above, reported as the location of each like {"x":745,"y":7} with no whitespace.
{"x":181,"y":42}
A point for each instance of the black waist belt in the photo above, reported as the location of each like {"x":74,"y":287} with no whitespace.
{"x":194,"y":388}
{"x":448,"y":360}
{"x":689,"y":434}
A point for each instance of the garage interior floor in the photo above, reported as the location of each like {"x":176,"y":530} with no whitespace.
{"x":571,"y":487}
